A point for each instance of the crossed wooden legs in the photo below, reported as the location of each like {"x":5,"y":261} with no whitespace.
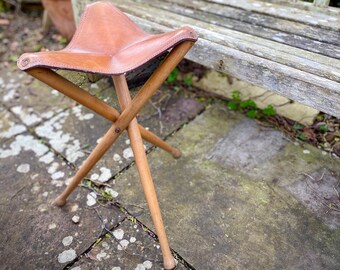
{"x":125,"y":120}
{"x":144,"y":172}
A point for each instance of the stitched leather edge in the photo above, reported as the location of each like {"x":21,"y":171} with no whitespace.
{"x":36,"y":62}
{"x":171,"y":43}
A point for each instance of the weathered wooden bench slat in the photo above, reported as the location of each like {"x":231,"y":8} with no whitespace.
{"x":304,"y":76}
{"x":304,"y":6}
{"x":250,"y":28}
{"x":323,"y":94}
{"x":285,"y":12}
{"x":266,"y":22}
{"x":290,"y":56}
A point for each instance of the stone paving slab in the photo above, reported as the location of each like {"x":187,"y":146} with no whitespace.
{"x":319,"y":191}
{"x":33,"y":101}
{"x":241,"y":197}
{"x":38,"y":234}
{"x":228,"y":209}
{"x":30,"y":100}
{"x":35,"y":234}
{"x":263,"y":153}
{"x":129,"y":247}
{"x":9,"y":125}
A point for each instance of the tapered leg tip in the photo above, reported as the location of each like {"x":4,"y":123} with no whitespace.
{"x":173,"y":268}
{"x":170,"y":265}
{"x":59,"y":201}
{"x":176,"y":153}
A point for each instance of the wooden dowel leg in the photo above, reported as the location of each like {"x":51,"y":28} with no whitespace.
{"x":109,"y":138}
{"x":144,"y":172}
{"x":76,"y":93}
{"x":155,"y":140}
{"x":155,"y":81}
{"x":123,"y":121}
{"x":150,"y":192}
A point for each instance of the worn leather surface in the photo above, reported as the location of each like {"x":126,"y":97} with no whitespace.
{"x":107,"y":42}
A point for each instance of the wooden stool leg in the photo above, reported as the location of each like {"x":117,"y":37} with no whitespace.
{"x":123,"y":120}
{"x":73,"y":91}
{"x":144,"y":172}
{"x":109,"y":138}
{"x":155,"y":140}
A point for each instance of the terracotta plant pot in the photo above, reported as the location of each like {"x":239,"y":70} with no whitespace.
{"x":61,"y":14}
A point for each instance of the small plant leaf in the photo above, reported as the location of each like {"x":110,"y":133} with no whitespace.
{"x":302,"y":136}
{"x":172,"y":76}
{"x":13,"y":58}
{"x":37,"y":47}
{"x":188,"y":81}
{"x":252,"y":114}
{"x":98,"y":241}
{"x":236,"y":95}
{"x":320,"y":117}
{"x":232,"y":105}
{"x":323,"y":128}
{"x":248,"y":104}
{"x":298,"y":126}
{"x":269,"y":111}
{"x":63,"y":40}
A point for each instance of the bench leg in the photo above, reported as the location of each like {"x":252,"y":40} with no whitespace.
{"x":144,"y":172}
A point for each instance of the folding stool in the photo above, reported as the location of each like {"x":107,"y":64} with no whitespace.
{"x":108,"y":42}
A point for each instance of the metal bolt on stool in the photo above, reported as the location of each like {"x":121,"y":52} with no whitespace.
{"x":108,"y":42}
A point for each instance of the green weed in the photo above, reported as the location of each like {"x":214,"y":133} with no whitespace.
{"x":249,"y":107}
{"x":323,"y":128}
{"x":172,"y":76}
{"x":188,"y":81}
{"x":297,"y":126}
{"x":269,"y":111}
{"x":4,"y":7}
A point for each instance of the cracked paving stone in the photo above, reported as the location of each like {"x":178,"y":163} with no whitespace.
{"x":251,"y":150}
{"x":130,"y":247}
{"x":74,"y":133}
{"x":319,"y":191}
{"x":36,"y":234}
{"x":219,"y":216}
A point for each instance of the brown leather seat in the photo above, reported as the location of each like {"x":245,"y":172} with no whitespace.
{"x":107,"y":42}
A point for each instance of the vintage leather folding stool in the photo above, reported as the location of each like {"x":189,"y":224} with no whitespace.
{"x":108,"y":42}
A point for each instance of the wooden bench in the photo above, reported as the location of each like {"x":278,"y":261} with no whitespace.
{"x":290,"y":48}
